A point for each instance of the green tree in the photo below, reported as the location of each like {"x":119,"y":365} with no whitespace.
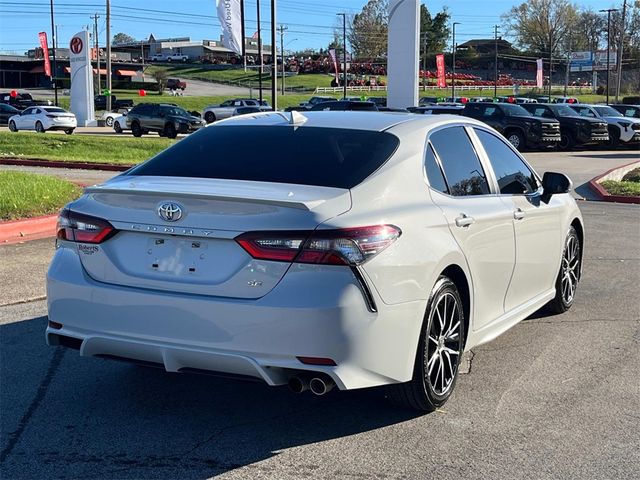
{"x":541,"y":26}
{"x":120,"y":38}
{"x":367,"y":30}
{"x":160,"y":76}
{"x":434,"y":32}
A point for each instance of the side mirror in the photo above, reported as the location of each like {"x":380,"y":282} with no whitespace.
{"x":554,"y":183}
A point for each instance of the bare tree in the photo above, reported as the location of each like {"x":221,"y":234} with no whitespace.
{"x":541,"y":25}
{"x":160,"y":76}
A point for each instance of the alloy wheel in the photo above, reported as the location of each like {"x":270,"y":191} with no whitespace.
{"x":443,"y":344}
{"x":570,"y":269}
{"x":514,"y":140}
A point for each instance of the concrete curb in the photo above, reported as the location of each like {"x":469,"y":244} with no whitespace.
{"x":605,"y":196}
{"x":35,"y":162}
{"x":28,"y":229}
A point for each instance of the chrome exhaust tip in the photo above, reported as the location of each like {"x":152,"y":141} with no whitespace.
{"x":320,"y":386}
{"x":298,"y":384}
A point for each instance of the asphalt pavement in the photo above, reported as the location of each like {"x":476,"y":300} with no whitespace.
{"x":554,"y":397}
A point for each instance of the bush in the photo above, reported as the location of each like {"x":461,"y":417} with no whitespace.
{"x":631,"y":100}
{"x":632,"y":176}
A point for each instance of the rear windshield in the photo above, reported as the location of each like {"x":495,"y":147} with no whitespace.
{"x":326,"y":157}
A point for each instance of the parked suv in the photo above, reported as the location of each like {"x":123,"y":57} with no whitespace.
{"x":168,"y":120}
{"x":632,"y":111}
{"x":574,"y":129}
{"x":521,"y":128}
{"x":622,"y":130}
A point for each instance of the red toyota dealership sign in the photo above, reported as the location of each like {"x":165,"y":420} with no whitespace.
{"x":76,"y":45}
{"x":442,"y":82}
{"x":45,"y":52}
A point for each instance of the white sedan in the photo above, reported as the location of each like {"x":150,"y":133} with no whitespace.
{"x":42,"y":119}
{"x":348,"y":249}
{"x":109,"y":117}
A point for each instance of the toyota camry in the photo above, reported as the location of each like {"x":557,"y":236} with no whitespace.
{"x":324,"y":249}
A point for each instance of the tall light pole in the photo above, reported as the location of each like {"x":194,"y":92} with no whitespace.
{"x":260,"y":57}
{"x":53,"y":49}
{"x":453,"y":64}
{"x":620,"y":48}
{"x":97,"y":47}
{"x":344,"y":53}
{"x":108,"y":56}
{"x":495,"y":61}
{"x":274,"y":58}
{"x":282,"y":29}
{"x":608,"y":11}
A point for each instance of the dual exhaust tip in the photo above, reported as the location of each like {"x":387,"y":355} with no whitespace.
{"x":318,"y":385}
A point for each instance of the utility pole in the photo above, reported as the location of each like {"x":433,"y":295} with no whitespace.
{"x":609,"y":10}
{"x":495,"y":61}
{"x":550,"y":65}
{"x":282,"y":30}
{"x":53,"y":48}
{"x":97,"y":48}
{"x":108,"y":55}
{"x":566,"y":73}
{"x":274,"y":58}
{"x":453,"y":65}
{"x":424,"y":59}
{"x":344,"y":53}
{"x":243,"y":34}
{"x":260,"y":58}
{"x":620,"y":47}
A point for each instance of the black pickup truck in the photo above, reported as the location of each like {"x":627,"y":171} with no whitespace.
{"x":521,"y":128}
{"x":575,"y":130}
{"x":22,"y":100}
{"x":100,"y":102}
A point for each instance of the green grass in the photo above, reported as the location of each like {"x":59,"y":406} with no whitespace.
{"x":80,"y":148}
{"x":32,"y":195}
{"x":627,"y":189}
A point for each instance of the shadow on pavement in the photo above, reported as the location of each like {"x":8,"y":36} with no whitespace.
{"x":64,"y":416}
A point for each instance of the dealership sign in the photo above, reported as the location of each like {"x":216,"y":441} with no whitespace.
{"x":45,"y":52}
{"x":442,"y":82}
{"x":590,"y":61}
{"x":81,"y":79}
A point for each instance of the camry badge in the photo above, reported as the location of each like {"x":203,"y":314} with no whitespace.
{"x":170,"y":211}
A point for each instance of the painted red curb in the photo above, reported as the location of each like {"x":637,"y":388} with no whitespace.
{"x":59,"y":164}
{"x":606,"y":196}
{"x":28,"y":229}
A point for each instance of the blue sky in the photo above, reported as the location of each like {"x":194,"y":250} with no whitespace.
{"x":310,"y":22}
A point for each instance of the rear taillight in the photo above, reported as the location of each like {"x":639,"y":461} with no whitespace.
{"x":77,"y":227}
{"x":348,"y":246}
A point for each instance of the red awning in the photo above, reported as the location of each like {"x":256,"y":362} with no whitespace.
{"x":103,"y":71}
{"x":126,"y":73}
{"x":37,"y":69}
{"x":67,"y":69}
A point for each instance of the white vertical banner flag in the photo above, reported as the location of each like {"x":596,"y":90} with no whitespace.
{"x":539,"y":76}
{"x":231,"y":22}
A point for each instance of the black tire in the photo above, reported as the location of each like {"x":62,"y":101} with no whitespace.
{"x":209,"y":117}
{"x":109,"y":121}
{"x":170,"y":130}
{"x":136,"y":130}
{"x":117,"y":128}
{"x":516,"y":139}
{"x":169,"y":60}
{"x":69,"y":131}
{"x":567,"y":141}
{"x":569,"y":273}
{"x":421,"y":392}
{"x":39,"y":127}
{"x":614,"y":137}
{"x":12,"y":126}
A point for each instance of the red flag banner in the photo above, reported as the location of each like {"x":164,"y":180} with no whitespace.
{"x":539,"y":77}
{"x":45,"y":52}
{"x":442,"y":82}
{"x":332,"y":54}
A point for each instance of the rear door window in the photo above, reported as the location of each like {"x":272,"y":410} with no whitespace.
{"x":513,"y":175}
{"x":434,"y":173}
{"x":462,"y":168}
{"x":328,"y":157}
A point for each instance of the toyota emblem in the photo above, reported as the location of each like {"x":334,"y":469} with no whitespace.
{"x":170,"y":211}
{"x":76,"y":45}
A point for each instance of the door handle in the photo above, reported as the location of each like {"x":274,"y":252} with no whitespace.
{"x":464,"y":221}
{"x":518,"y":214}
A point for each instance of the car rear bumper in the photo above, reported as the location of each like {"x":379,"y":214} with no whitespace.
{"x":314,"y":311}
